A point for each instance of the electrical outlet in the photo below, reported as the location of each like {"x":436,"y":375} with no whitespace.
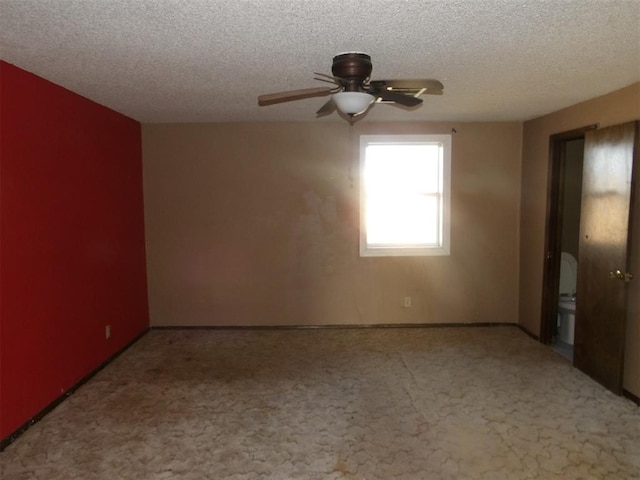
{"x":107,"y":332}
{"x":406,"y":302}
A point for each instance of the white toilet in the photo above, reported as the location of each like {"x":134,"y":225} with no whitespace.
{"x":567,"y":303}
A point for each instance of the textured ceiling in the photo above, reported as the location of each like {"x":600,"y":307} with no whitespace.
{"x":208,"y":60}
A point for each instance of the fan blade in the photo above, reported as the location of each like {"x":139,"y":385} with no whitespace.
{"x":326,"y":109}
{"x":401,"y":98}
{"x":273,"y":98}
{"x":413,"y":87}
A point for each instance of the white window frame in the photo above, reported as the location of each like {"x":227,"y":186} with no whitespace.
{"x":443,"y":248}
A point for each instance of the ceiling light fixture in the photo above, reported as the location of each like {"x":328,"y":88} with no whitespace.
{"x":353,"y":103}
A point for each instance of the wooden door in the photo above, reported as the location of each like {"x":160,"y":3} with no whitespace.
{"x":604,"y":250}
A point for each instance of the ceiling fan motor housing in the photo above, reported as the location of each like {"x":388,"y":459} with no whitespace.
{"x":353,"y":67}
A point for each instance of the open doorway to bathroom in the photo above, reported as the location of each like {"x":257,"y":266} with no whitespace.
{"x":561,"y":240}
{"x":571,"y":197}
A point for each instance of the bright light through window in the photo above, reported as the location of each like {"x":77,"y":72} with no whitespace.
{"x":404,"y":194}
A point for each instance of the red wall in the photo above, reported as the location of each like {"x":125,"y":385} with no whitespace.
{"x":72,"y":253}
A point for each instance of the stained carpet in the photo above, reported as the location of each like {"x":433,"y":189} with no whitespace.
{"x":406,"y":403}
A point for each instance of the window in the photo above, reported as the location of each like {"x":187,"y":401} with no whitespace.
{"x":404,"y":195}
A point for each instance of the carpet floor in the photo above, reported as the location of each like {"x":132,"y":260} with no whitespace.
{"x":329,"y":404}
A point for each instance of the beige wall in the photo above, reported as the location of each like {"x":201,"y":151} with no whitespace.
{"x":257,"y":224}
{"x":617,"y":107}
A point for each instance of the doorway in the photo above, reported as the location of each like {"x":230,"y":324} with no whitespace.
{"x":563,"y":225}
{"x":569,"y":240}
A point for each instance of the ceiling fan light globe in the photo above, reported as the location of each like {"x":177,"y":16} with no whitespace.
{"x":352,"y":103}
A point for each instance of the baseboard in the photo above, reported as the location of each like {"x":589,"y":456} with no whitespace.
{"x":5,"y":442}
{"x":531,"y":334}
{"x":634,"y":398}
{"x":331,"y":326}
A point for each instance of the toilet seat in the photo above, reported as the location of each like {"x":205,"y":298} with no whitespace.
{"x":567,"y":306}
{"x":568,"y":274}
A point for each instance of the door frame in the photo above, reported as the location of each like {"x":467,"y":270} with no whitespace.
{"x":553,"y":230}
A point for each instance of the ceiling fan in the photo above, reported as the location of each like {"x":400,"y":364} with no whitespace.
{"x":353,"y":92}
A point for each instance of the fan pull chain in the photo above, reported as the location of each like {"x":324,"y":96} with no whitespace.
{"x":351,"y":159}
